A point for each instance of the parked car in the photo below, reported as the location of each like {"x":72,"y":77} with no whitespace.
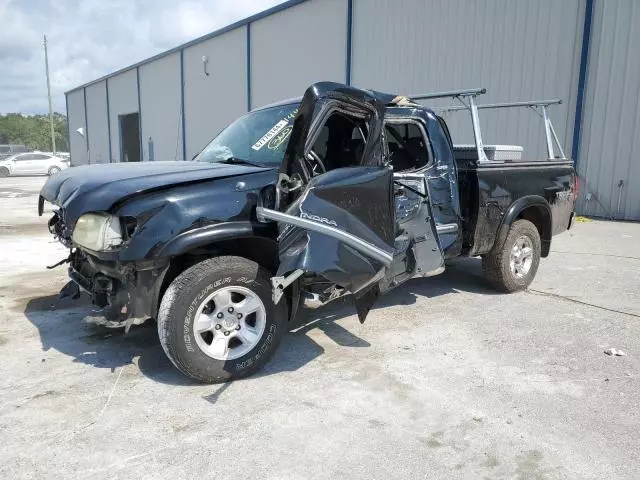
{"x":32,"y":163}
{"x":10,"y":150}
{"x":346,"y":192}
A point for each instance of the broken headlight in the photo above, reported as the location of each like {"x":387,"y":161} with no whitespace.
{"x":97,"y":231}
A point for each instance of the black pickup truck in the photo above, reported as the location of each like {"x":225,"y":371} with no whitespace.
{"x":343,"y":192}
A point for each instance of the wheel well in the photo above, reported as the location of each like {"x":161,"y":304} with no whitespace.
{"x":540,"y":217}
{"x":262,"y":250}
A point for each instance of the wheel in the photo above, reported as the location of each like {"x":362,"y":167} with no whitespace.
{"x":512,"y":266}
{"x":53,"y":171}
{"x":4,"y":172}
{"x":217,"y":321}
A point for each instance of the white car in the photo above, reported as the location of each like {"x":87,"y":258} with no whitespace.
{"x":32,"y":163}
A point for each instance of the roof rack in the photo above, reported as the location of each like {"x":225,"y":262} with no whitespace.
{"x":537,"y":106}
{"x":467,"y":99}
{"x":461,"y":95}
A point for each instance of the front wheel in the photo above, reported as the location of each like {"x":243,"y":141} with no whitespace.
{"x":217,"y":321}
{"x":4,"y":172}
{"x":512,"y":266}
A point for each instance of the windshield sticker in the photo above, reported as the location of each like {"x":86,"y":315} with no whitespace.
{"x":270,"y":134}
{"x":280,"y":138}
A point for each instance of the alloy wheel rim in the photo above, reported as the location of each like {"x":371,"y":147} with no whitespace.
{"x":521,"y":257}
{"x":229,"y":323}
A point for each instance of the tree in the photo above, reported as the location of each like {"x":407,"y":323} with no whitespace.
{"x":34,"y":131}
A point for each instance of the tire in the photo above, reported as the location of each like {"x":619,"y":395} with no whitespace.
{"x":53,"y":170}
{"x":512,"y":273}
{"x":193,"y":353}
{"x":4,"y":172}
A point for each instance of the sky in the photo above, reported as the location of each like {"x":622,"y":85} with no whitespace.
{"x":90,"y":38}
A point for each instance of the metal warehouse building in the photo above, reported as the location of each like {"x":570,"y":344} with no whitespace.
{"x":582,"y":51}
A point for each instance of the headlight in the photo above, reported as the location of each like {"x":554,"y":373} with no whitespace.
{"x":97,"y":231}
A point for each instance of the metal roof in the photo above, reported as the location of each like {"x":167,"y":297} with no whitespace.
{"x":228,"y":28}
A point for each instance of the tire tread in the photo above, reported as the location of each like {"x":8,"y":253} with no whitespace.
{"x":167,"y":326}
{"x":496,"y":262}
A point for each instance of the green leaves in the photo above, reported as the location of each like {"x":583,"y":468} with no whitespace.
{"x":33,"y":131}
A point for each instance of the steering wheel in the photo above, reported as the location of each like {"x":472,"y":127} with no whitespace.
{"x":316,"y":165}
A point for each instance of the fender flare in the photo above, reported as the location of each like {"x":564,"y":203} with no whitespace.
{"x":519,"y":206}
{"x":210,"y":234}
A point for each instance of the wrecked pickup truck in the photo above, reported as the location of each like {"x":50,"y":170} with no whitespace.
{"x":343,"y":192}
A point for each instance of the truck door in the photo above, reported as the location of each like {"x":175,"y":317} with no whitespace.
{"x":336,"y":212}
{"x":442,"y":180}
{"x":419,"y":156}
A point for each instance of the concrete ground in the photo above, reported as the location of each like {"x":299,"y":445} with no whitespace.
{"x":446,"y":379}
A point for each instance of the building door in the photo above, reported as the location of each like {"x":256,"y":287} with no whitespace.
{"x":130,"y":137}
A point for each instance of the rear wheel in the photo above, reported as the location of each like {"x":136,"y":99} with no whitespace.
{"x":53,"y":170}
{"x":512,"y":266}
{"x":217,"y":321}
{"x":4,"y":172}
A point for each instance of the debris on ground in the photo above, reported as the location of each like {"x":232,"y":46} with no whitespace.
{"x":580,"y":219}
{"x":614,"y":352}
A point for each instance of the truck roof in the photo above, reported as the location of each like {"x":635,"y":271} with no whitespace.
{"x":387,"y":99}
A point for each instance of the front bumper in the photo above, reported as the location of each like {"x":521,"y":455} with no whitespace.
{"x":121,"y":289}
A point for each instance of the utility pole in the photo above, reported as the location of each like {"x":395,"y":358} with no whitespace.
{"x":46,"y":66}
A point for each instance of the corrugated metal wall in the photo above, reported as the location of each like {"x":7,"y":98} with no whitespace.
{"x":123,"y":98}
{"x":609,"y":151}
{"x":161,"y":109}
{"x":296,"y":47}
{"x":518,"y":50}
{"x":97,"y":123}
{"x":212,"y":101}
{"x":75,"y":115}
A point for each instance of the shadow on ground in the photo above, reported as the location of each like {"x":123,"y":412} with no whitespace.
{"x":64,"y":330}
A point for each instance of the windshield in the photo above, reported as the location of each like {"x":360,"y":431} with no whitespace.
{"x":258,"y":138}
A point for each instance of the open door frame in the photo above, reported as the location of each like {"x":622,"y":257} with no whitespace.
{"x":339,"y":225}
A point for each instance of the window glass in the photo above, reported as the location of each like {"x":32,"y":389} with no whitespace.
{"x":40,"y":156}
{"x":259,"y":138}
{"x":407,"y":147}
{"x":320,"y":145}
{"x":340,"y":142}
{"x":24,"y":158}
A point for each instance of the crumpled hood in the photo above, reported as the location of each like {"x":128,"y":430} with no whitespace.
{"x":92,"y":188}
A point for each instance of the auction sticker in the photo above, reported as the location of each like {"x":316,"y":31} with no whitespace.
{"x":270,"y":134}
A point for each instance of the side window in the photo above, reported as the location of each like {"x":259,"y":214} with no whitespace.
{"x":320,"y":145}
{"x":340,"y":143}
{"x":407,"y":146}
{"x":40,"y":156}
{"x":24,"y":158}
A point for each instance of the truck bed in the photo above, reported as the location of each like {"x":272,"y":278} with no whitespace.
{"x":489,"y":190}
